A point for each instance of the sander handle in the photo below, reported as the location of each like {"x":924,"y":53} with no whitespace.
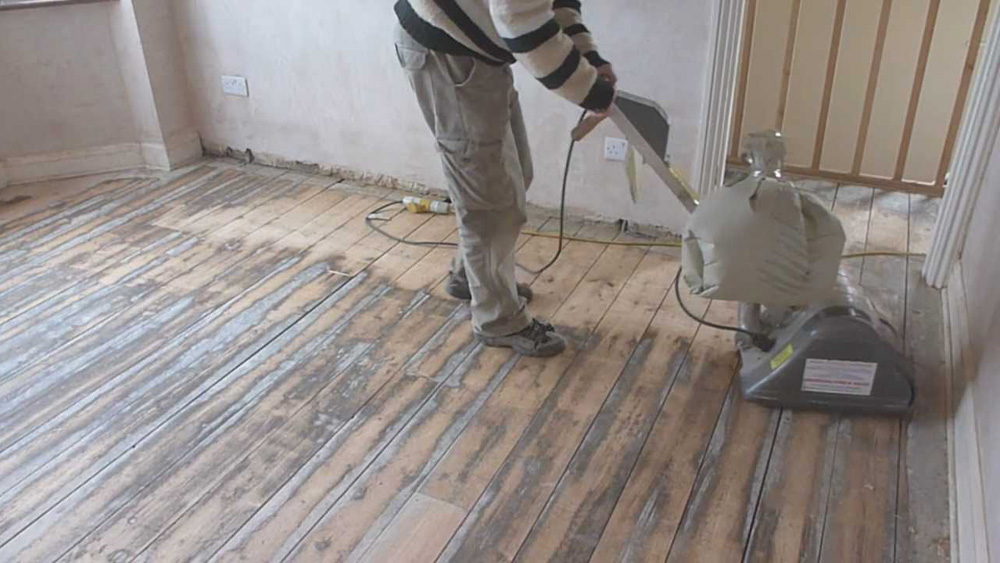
{"x":588,"y":124}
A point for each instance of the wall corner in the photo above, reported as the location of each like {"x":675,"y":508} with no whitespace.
{"x":3,"y":174}
{"x":180,"y":150}
{"x":968,"y":506}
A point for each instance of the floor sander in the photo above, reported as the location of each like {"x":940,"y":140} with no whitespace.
{"x":808,"y":337}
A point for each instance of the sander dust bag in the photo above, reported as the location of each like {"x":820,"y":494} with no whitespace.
{"x":762,"y":241}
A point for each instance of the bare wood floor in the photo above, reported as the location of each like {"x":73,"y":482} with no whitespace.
{"x":225,"y":364}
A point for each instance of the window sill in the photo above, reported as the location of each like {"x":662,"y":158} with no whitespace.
{"x":29,"y":4}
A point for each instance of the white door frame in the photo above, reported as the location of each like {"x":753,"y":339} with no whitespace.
{"x":722,"y":78}
{"x":976,"y":139}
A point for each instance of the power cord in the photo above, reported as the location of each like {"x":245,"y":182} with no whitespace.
{"x":760,"y":340}
{"x":373,"y":216}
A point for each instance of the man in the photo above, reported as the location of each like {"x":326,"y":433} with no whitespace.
{"x":457,"y":54}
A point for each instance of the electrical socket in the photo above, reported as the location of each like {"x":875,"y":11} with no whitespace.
{"x":615,"y":149}
{"x":235,"y":86}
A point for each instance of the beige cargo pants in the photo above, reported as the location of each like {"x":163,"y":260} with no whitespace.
{"x":473,"y":111}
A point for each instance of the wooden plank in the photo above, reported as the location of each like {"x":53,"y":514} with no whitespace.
{"x":67,"y":482}
{"x":18,"y":245}
{"x":741,"y":88}
{"x":196,"y":279}
{"x":268,"y":389}
{"x":895,"y":83}
{"x":923,"y":217}
{"x":786,"y":74}
{"x":199,"y":475}
{"x":469,"y":466}
{"x":854,"y":210}
{"x":788,"y":524}
{"x":649,"y":509}
{"x":352,"y":524}
{"x":355,"y":396}
{"x":975,"y":43}
{"x":49,"y":201}
{"x":301,"y":500}
{"x":294,"y":511}
{"x":28,"y":203}
{"x":805,"y":94}
{"x":421,"y":527}
{"x":258,"y":303}
{"x":719,"y":513}
{"x":947,"y":64}
{"x":57,"y":234}
{"x":917,"y":89}
{"x":103,"y":286}
{"x":847,"y":99}
{"x":923,"y":531}
{"x":504,"y":514}
{"x":31,"y":338}
{"x":580,"y":508}
{"x":766,"y":64}
{"x":895,"y":185}
{"x":860,"y":517}
{"x":141,"y":310}
{"x":831,"y":69}
{"x":873,"y":75}
{"x":95,"y":249}
{"x":302,"y":214}
{"x":99,"y":503}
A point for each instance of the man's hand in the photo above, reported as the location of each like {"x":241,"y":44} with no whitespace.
{"x":607,"y":72}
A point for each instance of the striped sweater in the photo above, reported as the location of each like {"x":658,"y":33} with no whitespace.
{"x":545,"y":36}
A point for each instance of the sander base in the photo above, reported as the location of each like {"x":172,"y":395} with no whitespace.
{"x":840,"y":355}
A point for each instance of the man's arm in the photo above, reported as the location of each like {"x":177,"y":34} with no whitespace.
{"x":567,"y":13}
{"x":561,"y":56}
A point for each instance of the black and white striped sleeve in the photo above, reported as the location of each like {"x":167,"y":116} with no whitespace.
{"x":538,"y":41}
{"x":569,"y":18}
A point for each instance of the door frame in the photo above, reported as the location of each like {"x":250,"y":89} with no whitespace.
{"x":977,"y":135}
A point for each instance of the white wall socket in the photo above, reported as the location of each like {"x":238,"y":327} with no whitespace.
{"x":615,"y":149}
{"x":235,"y":86}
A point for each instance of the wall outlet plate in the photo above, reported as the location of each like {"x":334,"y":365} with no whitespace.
{"x":615,"y":149}
{"x":235,"y":86}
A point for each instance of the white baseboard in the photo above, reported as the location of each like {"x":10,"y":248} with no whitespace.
{"x":66,"y":164}
{"x":968,"y":521}
{"x":180,"y":151}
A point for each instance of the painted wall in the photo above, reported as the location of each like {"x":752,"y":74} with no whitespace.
{"x":60,"y":88}
{"x":981,"y":271}
{"x":152,"y":67}
{"x":325,"y":87}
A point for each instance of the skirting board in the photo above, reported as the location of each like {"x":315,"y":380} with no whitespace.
{"x":181,"y":150}
{"x":66,"y":164}
{"x":98,"y":160}
{"x":393,"y":183}
{"x":968,"y":521}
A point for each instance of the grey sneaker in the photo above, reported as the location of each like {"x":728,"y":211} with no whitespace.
{"x":459,"y":289}
{"x":539,"y":340}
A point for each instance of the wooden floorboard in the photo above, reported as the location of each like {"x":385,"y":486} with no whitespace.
{"x":923,"y":527}
{"x":788,"y":524}
{"x":225,"y":363}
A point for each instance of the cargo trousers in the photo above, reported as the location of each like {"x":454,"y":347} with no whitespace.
{"x":473,"y":111}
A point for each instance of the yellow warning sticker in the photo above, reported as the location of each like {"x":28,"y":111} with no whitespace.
{"x":784,"y":356}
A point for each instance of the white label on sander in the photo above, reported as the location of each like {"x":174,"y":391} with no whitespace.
{"x":841,"y":378}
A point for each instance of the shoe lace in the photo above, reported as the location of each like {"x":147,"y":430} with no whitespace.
{"x":538,"y":331}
